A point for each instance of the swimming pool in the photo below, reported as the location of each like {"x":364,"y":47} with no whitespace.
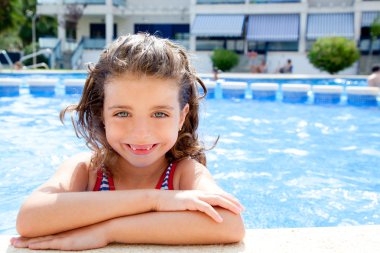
{"x":291,"y":165}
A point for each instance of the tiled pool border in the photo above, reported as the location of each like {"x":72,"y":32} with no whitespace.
{"x":350,"y":239}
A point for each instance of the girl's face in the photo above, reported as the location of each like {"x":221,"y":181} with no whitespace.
{"x":142,"y":117}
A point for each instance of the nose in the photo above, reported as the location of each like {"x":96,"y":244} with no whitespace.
{"x":141,"y":128}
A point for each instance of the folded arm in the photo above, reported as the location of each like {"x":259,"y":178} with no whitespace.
{"x":63,"y":204}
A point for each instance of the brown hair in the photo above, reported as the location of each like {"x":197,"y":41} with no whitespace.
{"x":139,"y":54}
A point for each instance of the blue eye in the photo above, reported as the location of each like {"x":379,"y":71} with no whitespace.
{"x":122,"y":114}
{"x":159,"y":115}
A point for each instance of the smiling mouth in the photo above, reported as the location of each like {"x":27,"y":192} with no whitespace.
{"x":141,"y":149}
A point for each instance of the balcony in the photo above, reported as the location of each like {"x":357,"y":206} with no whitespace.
{"x":330,"y":3}
{"x":273,"y":1}
{"x":89,"y":2}
{"x":220,"y":1}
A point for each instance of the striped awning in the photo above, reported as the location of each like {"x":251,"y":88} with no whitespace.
{"x":269,"y":27}
{"x":330,"y":25}
{"x":369,"y":17}
{"x":218,"y":25}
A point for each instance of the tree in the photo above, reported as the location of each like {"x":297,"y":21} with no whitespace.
{"x":375,"y":33}
{"x":224,"y":59}
{"x":10,"y":15}
{"x":45,"y":26}
{"x":333,"y":54}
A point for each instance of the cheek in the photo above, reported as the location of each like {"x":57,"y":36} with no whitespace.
{"x":112,"y":130}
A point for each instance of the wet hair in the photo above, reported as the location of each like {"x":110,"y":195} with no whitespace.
{"x":139,"y":55}
{"x":375,"y":68}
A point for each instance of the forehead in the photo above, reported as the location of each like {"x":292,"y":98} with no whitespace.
{"x":140,"y":88}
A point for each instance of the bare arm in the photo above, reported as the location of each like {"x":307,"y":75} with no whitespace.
{"x":62,"y":203}
{"x":182,"y":227}
{"x":165,"y":227}
{"x":189,"y":227}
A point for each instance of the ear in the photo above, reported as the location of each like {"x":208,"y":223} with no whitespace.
{"x":183,"y":114}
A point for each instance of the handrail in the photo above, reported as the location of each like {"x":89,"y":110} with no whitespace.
{"x":42,"y":51}
{"x":55,"y":45}
{"x":57,"y":54}
{"x":6,"y":58}
{"x":77,"y":54}
{"x":34,"y":66}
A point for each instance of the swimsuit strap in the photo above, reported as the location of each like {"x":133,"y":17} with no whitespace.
{"x":166,"y":180}
{"x":104,"y":182}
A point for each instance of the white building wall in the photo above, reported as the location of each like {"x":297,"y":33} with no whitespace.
{"x":184,"y":11}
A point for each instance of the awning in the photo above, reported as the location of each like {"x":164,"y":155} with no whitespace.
{"x":330,"y":25}
{"x":218,"y":25}
{"x":268,"y":27}
{"x":369,"y":17}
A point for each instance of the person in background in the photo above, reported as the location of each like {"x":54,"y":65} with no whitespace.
{"x":18,"y":65}
{"x":262,"y":68}
{"x":215,"y":72}
{"x":374,"y":79}
{"x":287,"y":68}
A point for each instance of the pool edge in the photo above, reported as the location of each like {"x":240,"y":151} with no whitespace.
{"x":361,"y":239}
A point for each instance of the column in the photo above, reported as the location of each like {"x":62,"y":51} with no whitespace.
{"x":61,"y":24}
{"x":192,"y":42}
{"x":303,"y":27}
{"x":109,"y":22}
{"x":357,"y":22}
{"x":302,"y":35}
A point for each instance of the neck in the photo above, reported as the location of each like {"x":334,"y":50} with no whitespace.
{"x":127,"y":176}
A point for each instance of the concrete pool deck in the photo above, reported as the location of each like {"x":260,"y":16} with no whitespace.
{"x":349,"y":239}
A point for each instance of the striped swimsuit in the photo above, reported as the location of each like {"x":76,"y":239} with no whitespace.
{"x":104,"y":182}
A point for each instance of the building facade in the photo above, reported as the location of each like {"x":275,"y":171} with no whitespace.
{"x":274,"y":29}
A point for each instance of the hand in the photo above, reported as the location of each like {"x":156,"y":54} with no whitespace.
{"x":196,"y":200}
{"x":90,"y":237}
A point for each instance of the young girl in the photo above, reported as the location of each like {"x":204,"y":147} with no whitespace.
{"x":139,"y":115}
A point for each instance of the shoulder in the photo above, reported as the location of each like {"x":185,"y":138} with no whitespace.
{"x":191,"y":175}
{"x":72,"y":175}
{"x":82,"y":159}
{"x":77,"y":163}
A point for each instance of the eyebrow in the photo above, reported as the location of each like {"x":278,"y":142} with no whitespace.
{"x":127,"y":107}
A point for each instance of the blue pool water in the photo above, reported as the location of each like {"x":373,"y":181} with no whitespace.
{"x":291,"y":165}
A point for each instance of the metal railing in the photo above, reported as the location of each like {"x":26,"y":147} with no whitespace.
{"x":77,"y":55}
{"x":273,"y":1}
{"x":38,"y":65}
{"x":90,"y":43}
{"x":55,"y":45}
{"x":220,"y":1}
{"x":94,"y":2}
{"x":99,"y":2}
{"x":40,"y":52}
{"x":6,"y":56}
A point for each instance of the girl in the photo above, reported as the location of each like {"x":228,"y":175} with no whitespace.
{"x":139,"y":115}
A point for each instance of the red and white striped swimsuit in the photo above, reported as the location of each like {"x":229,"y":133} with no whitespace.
{"x":104,"y":182}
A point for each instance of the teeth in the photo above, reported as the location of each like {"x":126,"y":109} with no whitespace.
{"x":145,"y":148}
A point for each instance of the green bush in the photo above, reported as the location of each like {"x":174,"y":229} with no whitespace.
{"x":224,"y":59}
{"x":333,"y":54}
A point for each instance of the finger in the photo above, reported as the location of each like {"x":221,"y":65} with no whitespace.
{"x":23,"y":242}
{"x":232,"y":199}
{"x":47,"y":244}
{"x":209,"y":210}
{"x":217,"y":200}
